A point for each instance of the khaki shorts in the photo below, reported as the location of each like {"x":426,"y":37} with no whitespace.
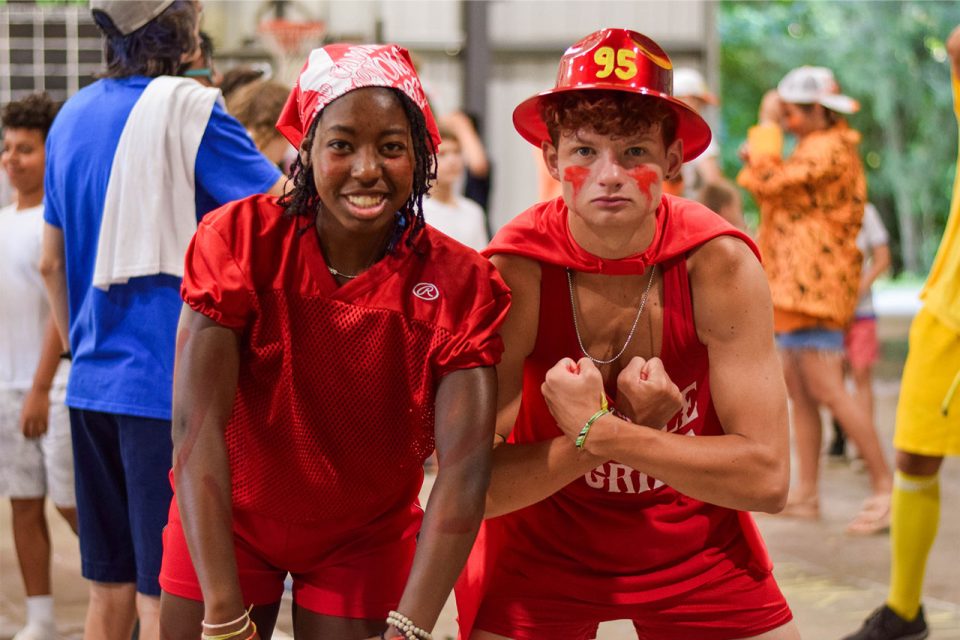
{"x":933,"y":362}
{"x":34,"y":468}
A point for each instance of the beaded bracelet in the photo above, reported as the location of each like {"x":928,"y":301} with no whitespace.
{"x":405,"y":625}
{"x":604,"y":410}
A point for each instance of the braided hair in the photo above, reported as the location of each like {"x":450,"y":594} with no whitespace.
{"x":303,"y":202}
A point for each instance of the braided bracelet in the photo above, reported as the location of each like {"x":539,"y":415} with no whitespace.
{"x":405,"y":625}
{"x":604,"y":410}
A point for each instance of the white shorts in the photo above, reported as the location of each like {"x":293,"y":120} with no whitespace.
{"x":38,"y":467}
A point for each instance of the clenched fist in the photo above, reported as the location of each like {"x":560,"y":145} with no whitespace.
{"x":573,"y":391}
{"x":34,"y":414}
{"x":646,"y":394}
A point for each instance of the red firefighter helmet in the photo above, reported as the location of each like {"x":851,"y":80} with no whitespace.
{"x":616,"y":60}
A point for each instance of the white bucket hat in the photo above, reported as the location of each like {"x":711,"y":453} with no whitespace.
{"x":689,"y":82}
{"x":815,"y":85}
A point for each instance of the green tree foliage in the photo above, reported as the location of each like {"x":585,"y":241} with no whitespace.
{"x":888,"y":55}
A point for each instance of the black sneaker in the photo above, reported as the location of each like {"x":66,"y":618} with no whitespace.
{"x":884,"y":624}
{"x":838,"y":447}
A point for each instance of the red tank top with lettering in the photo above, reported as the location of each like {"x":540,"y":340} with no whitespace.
{"x":614,"y":536}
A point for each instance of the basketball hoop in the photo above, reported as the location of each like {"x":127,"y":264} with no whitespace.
{"x":289,"y":41}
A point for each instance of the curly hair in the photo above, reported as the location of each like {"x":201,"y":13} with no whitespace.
{"x":257,"y":106}
{"x":303,"y":200}
{"x":36,"y":111}
{"x":616,"y":113}
{"x":155,"y":49}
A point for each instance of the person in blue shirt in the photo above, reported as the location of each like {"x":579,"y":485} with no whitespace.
{"x":133,"y":162}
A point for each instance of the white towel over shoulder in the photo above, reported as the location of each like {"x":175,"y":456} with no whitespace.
{"x":150,"y":213}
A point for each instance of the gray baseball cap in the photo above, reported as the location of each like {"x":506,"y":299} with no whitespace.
{"x":130,"y":15}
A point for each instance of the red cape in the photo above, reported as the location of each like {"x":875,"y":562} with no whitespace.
{"x":541,"y":233}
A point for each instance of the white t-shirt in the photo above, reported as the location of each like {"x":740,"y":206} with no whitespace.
{"x":463,"y":221}
{"x":24,"y":310}
{"x":872,"y":234}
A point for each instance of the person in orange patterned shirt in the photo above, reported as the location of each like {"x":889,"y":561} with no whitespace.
{"x":811,"y":207}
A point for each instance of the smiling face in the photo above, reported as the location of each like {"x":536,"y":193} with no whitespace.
{"x":612,"y":180}
{"x":22,"y":159}
{"x":363,"y":161}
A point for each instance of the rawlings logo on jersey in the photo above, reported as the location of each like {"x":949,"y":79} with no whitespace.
{"x":426,"y":291}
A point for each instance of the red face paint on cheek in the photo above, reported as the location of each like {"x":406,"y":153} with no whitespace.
{"x":645,"y":177}
{"x":576,"y":176}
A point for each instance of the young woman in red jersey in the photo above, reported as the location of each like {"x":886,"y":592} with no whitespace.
{"x":329,"y":341}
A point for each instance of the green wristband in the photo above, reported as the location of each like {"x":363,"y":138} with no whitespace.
{"x":586,"y":427}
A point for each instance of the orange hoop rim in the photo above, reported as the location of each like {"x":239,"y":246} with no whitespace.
{"x":288,"y":36}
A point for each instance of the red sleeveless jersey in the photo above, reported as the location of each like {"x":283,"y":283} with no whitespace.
{"x":615,"y":536}
{"x":333,"y":415}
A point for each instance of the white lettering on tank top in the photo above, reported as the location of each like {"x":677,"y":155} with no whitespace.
{"x":614,"y":477}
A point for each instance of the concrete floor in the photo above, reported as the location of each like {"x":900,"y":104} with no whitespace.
{"x":832,"y":581}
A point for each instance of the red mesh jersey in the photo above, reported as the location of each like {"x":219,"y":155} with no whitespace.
{"x":333,"y":415}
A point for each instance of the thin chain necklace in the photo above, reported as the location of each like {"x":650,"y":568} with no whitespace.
{"x":633,"y":329}
{"x":333,"y":270}
{"x":336,"y":273}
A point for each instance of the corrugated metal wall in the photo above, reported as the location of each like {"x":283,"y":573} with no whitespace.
{"x":526,"y":39}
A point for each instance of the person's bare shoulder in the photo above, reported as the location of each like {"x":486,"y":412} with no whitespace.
{"x":721,"y":256}
{"x":522,"y":276}
{"x":519,"y":331}
{"x":517,"y":271}
{"x":729,"y":289}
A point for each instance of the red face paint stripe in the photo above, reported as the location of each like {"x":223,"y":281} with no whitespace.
{"x":576,"y":176}
{"x":644,"y":177}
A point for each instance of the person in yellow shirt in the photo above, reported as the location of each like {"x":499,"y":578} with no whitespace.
{"x":927,"y":426}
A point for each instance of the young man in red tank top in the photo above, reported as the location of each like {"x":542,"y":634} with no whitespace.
{"x":642,"y":410}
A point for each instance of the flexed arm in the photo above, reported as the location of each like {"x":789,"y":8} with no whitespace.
{"x":525,"y":473}
{"x":748,"y":466}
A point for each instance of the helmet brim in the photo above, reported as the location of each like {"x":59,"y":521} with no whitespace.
{"x":692,"y":129}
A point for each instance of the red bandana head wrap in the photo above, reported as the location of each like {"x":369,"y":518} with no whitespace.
{"x":337,"y":69}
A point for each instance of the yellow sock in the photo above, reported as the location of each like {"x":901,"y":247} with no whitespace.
{"x":914,"y":519}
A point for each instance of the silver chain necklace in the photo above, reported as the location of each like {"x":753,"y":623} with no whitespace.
{"x":633,"y":329}
{"x":335,"y":273}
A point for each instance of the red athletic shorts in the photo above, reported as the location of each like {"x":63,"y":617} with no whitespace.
{"x":862,"y":346}
{"x":737,"y":604}
{"x":348,"y":574}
